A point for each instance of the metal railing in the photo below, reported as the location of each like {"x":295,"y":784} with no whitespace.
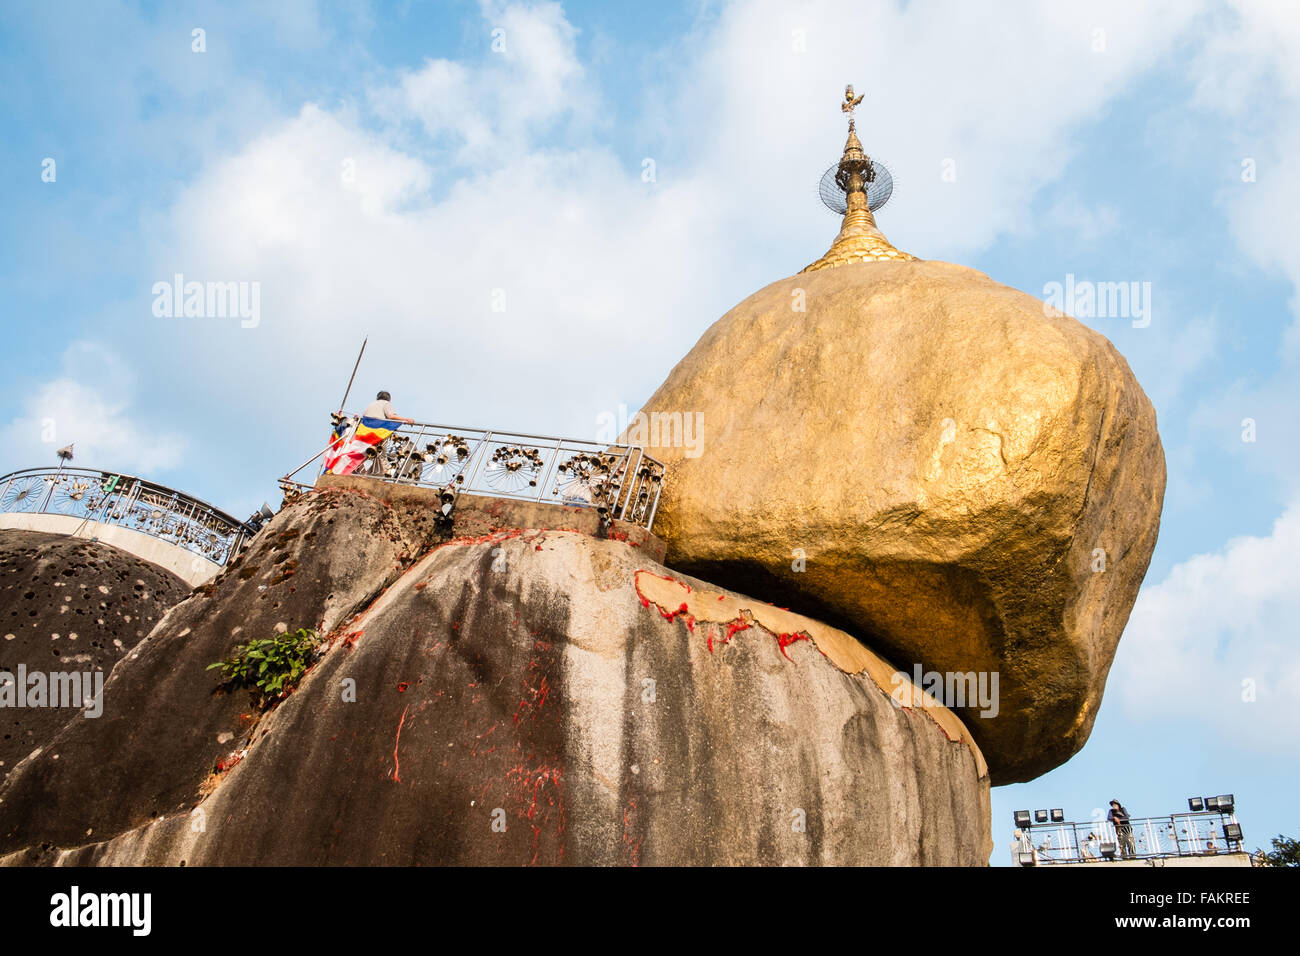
{"x":1179,"y":834}
{"x":111,"y":498}
{"x":620,"y":481}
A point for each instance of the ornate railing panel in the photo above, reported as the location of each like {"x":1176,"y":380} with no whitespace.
{"x":620,"y":481}
{"x":127,"y":501}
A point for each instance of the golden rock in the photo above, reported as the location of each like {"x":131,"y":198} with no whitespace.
{"x":934,"y":462}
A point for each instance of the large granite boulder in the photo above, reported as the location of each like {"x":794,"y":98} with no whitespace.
{"x":930,"y":460}
{"x":68,"y":606}
{"x":516,"y":697}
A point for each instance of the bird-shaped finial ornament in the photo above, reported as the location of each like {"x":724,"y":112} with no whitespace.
{"x":850,"y":101}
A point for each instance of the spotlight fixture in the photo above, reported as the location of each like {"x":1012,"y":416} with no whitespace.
{"x":1211,"y":803}
{"x":1108,"y":851}
{"x":1040,"y":816}
{"x":1026,"y":858}
{"x":260,"y":517}
{"x":1195,"y":804}
{"x":1022,"y":818}
{"x":1225,"y":803}
{"x":1232,"y":832}
{"x":1058,"y":816}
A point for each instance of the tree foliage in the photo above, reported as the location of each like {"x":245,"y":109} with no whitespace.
{"x":1286,"y":852}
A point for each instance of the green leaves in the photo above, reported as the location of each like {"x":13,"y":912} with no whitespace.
{"x":270,"y":667}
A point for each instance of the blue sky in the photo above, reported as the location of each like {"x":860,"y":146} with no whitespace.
{"x":380,"y":169}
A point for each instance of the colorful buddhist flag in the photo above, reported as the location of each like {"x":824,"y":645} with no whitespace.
{"x":346,"y":451}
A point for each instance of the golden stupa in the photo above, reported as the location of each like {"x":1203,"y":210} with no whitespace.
{"x":859,"y":239}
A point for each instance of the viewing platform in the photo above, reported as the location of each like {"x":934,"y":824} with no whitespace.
{"x":611,"y":483}
{"x":1209,"y":837}
{"x":169,"y":528}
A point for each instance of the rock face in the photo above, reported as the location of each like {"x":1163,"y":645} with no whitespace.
{"x":972,"y":485}
{"x":518,"y":697}
{"x":69,"y":605}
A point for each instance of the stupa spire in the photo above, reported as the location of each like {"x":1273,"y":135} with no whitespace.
{"x":859,"y":239}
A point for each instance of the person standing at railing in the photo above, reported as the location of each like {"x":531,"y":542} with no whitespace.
{"x":357,"y":451}
{"x":382,"y":407}
{"x":1123,"y":829}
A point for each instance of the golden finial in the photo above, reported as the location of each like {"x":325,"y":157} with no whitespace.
{"x":850,"y":103}
{"x":859,"y":239}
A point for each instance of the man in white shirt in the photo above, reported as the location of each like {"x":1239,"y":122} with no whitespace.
{"x":382,"y":407}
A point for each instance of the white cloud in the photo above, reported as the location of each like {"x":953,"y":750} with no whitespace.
{"x":89,"y":405}
{"x":1000,"y":92}
{"x":531,"y":79}
{"x":1086,"y":221}
{"x":1216,"y":621}
{"x":1249,"y":70}
{"x":608,"y":279}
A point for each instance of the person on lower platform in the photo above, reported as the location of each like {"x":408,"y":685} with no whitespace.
{"x":1123,"y":829}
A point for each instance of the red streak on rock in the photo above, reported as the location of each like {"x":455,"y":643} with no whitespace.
{"x":785,"y":640}
{"x":670,"y":616}
{"x":739,"y":624}
{"x":401,"y":687}
{"x":495,"y":536}
{"x":397,"y":743}
{"x":229,"y":761}
{"x":630,"y":845}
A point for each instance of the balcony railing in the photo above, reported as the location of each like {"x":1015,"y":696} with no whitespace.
{"x":127,"y":501}
{"x":1179,"y":834}
{"x":620,"y":481}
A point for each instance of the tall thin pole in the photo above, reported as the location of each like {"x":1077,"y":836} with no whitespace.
{"x":343,"y":405}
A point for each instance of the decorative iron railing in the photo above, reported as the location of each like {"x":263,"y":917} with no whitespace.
{"x":127,"y":501}
{"x":620,"y":481}
{"x":1154,"y":838}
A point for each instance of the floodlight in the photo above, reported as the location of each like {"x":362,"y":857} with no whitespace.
{"x":1225,"y":803}
{"x":1108,"y":851}
{"x":1232,"y":831}
{"x":1058,"y":816}
{"x":1040,"y":816}
{"x":1022,"y":818}
{"x":1027,"y":858}
{"x":1195,"y":804}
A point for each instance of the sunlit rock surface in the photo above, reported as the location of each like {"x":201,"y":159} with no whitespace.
{"x":519,"y":697}
{"x":921,"y":455}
